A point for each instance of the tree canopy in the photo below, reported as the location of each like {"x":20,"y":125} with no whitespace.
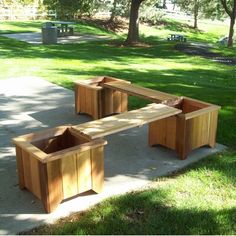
{"x":70,"y":9}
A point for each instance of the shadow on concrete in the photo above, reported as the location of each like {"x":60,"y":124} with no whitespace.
{"x":36,"y":38}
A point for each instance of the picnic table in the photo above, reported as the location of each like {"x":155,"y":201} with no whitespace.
{"x":64,"y":27}
{"x":177,"y":37}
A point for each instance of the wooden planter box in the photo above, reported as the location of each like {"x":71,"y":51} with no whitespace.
{"x":91,"y":98}
{"x":195,"y":127}
{"x":58,"y":163}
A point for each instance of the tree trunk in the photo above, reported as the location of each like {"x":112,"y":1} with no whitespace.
{"x":231,"y":27}
{"x":133,"y":34}
{"x":195,"y":14}
{"x":231,"y":32}
{"x":195,"y":22}
{"x":232,"y":15}
{"x":164,"y":4}
{"x":113,"y":11}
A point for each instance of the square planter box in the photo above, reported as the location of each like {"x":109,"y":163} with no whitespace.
{"x":91,"y":98}
{"x":56,"y":164}
{"x":196,"y":126}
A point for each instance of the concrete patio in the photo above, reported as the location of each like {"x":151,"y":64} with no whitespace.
{"x":36,"y":38}
{"x":31,"y":104}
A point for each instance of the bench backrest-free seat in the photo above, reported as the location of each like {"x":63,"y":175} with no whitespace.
{"x":127,"y":120}
{"x":138,"y":91}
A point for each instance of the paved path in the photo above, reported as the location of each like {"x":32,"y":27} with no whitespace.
{"x":36,"y":38}
{"x":30,"y":104}
{"x":204,"y":50}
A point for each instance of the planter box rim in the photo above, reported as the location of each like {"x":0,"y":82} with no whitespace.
{"x":25,"y":142}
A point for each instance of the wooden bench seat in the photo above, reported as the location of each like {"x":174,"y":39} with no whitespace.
{"x":124,"y":121}
{"x":146,"y":93}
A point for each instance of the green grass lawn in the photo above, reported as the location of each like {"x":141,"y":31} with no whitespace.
{"x":201,"y":199}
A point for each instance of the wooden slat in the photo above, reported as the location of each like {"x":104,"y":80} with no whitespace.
{"x":200,"y":130}
{"x":131,"y":89}
{"x":51,"y":145}
{"x":69,"y":176}
{"x":107,"y":79}
{"x":181,"y":137}
{"x":127,"y":120}
{"x":93,"y":82}
{"x":73,"y":150}
{"x":108,"y":95}
{"x":51,"y":184}
{"x":97,"y":161}
{"x":24,"y":143}
{"x":201,"y":112}
{"x":26,"y":168}
{"x":156,"y":133}
{"x":88,"y":101}
{"x":117,"y":101}
{"x":163,"y":132}
{"x":43,"y":173}
{"x":213,"y":128}
{"x":20,"y":168}
{"x":35,"y":180}
{"x":55,"y":182}
{"x":84,"y":171}
{"x":82,"y":94}
{"x":77,"y":99}
{"x":44,"y":134}
{"x":124,"y":102}
{"x":199,"y":103}
{"x":96,"y":104}
{"x":34,"y":151}
{"x":170,"y":129}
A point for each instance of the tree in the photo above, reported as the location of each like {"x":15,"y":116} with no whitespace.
{"x":190,"y":6}
{"x":220,"y":9}
{"x":195,"y":13}
{"x":119,"y":8}
{"x":113,"y":11}
{"x":69,"y":8}
{"x":164,"y":4}
{"x":133,"y":33}
{"x":230,"y":9}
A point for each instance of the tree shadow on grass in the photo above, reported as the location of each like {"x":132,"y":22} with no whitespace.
{"x":147,"y":212}
{"x":30,"y":26}
{"x":89,"y":51}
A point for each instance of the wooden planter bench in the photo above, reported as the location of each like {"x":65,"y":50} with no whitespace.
{"x":58,"y":163}
{"x":195,"y":127}
{"x":91,"y":98}
{"x":104,"y":96}
{"x":62,"y":162}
